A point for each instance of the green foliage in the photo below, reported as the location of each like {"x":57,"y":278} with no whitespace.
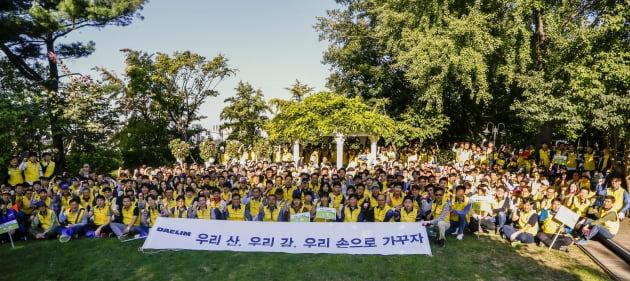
{"x":207,"y":149}
{"x":326,"y":113}
{"x":101,"y":161}
{"x":159,"y":87}
{"x":444,"y":68}
{"x":29,"y":40}
{"x":179,"y":148}
{"x":245,"y":114}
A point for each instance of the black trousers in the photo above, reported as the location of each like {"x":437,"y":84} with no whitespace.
{"x":548,"y":238}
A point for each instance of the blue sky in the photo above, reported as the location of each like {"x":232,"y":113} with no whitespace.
{"x":271,"y":43}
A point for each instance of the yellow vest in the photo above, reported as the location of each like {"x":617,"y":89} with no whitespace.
{"x":153,"y":214}
{"x":65,"y":201}
{"x":176,"y":213}
{"x":618,"y":194}
{"x":589,"y":161}
{"x":89,"y":201}
{"x":351,"y":215}
{"x":571,"y":160}
{"x":523,"y":219}
{"x":550,"y":225}
{"x":408,"y":216}
{"x":544,"y":155}
{"x":254,"y":206}
{"x":545,"y":204}
{"x":436,"y":210}
{"x":26,"y":202}
{"x":459,"y":206}
{"x":46,"y":220}
{"x":101,"y":215}
{"x":379,"y":214}
{"x":270,"y":215}
{"x":16,"y":176}
{"x":50,"y":170}
{"x":573,"y":202}
{"x":236,"y":214}
{"x":31,"y":174}
{"x":204,"y":214}
{"x":396,"y":201}
{"x":336,"y":200}
{"x":74,"y":218}
{"x":612,"y":226}
{"x":128,"y":215}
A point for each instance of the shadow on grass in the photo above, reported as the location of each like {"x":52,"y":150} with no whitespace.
{"x":488,"y":258}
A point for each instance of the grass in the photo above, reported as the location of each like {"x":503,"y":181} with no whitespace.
{"x":489,"y":258}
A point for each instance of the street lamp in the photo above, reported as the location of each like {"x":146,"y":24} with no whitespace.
{"x":490,"y":127}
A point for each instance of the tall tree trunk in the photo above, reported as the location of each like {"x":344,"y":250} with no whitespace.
{"x":541,"y":39}
{"x":52,"y":84}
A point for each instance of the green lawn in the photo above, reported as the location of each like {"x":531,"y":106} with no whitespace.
{"x":470,"y":259}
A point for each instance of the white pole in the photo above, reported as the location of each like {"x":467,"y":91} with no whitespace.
{"x":340,"y":139}
{"x":296,"y":151}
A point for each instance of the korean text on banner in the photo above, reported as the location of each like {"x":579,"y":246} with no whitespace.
{"x":286,"y":237}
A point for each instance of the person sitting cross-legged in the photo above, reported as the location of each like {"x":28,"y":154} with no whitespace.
{"x":526,"y":219}
{"x":550,"y":227}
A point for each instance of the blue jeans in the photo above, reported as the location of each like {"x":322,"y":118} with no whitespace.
{"x":597,"y":229}
{"x":461,"y":223}
{"x":523,"y":237}
{"x":77,"y":229}
{"x":499,"y":219}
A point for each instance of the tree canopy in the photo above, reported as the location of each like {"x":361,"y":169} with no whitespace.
{"x":244,"y":114}
{"x":29,"y":41}
{"x":326,"y":113}
{"x":444,"y":68}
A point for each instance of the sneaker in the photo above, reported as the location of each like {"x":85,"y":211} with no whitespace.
{"x":64,"y":238}
{"x":515,"y":244}
{"x":122,"y":237}
{"x":581,"y":242}
{"x":541,"y":244}
{"x":442,"y":243}
{"x":460,"y":236}
{"x":564,"y":249}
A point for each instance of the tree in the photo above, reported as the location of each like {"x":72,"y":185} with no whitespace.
{"x":29,"y":40}
{"x":450,"y":66}
{"x":326,"y":113}
{"x":174,"y":85}
{"x":245,"y":114}
{"x":298,"y":92}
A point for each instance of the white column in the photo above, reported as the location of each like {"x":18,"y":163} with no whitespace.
{"x":296,"y":151}
{"x":373,"y":148}
{"x":340,"y":139}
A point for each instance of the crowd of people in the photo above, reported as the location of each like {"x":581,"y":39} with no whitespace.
{"x":501,"y":190}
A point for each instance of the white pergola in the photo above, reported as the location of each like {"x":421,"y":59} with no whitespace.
{"x":340,"y":138}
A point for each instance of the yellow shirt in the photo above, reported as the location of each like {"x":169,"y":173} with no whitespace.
{"x":45,"y":221}
{"x":436,"y":210}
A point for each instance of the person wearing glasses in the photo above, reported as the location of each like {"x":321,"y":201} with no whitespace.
{"x":440,"y":209}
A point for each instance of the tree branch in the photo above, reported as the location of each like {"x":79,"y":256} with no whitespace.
{"x":26,"y":70}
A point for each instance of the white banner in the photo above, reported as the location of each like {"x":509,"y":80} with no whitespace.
{"x":286,"y":237}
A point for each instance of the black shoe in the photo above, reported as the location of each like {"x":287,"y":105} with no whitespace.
{"x":442,"y":243}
